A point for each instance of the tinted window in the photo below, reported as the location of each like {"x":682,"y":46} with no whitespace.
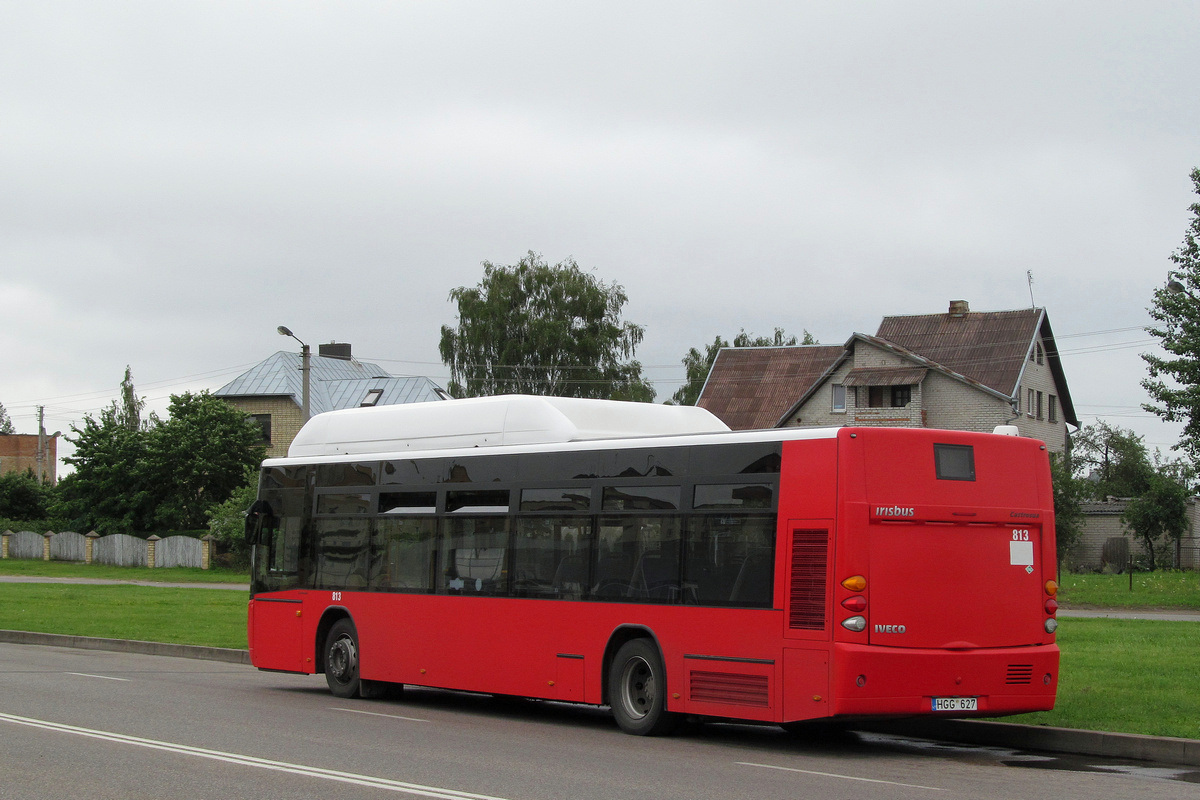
{"x":341,"y":553}
{"x":347,"y":474}
{"x":337,"y":503}
{"x":474,"y":556}
{"x":637,"y":560}
{"x":408,"y":502}
{"x":402,"y":551}
{"x":734,"y":496}
{"x":641,"y":498}
{"x":553,"y":467}
{"x":578,"y":499}
{"x":661,"y":463}
{"x":736,"y":459}
{"x":485,"y":469}
{"x":480,"y":502}
{"x":954,"y":462}
{"x":408,"y":471}
{"x":550,"y":557}
{"x":730,"y":560}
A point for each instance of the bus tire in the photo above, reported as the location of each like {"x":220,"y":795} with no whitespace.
{"x":341,"y":659}
{"x":637,"y":690}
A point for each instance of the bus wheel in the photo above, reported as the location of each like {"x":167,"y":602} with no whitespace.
{"x":637,"y":689}
{"x":341,"y":659}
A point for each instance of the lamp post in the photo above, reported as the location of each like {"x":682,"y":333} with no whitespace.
{"x":304,"y":369}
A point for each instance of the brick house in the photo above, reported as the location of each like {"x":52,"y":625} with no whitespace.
{"x":19,"y":453}
{"x":271,"y":391}
{"x":961,"y":370}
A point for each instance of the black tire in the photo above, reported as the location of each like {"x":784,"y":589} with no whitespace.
{"x":637,"y":690}
{"x":341,"y":659}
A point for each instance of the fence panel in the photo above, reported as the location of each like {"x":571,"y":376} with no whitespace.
{"x":26,"y":544}
{"x":68,"y":546}
{"x":178,"y":551}
{"x":120,"y":550}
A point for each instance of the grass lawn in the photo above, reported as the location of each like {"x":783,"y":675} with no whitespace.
{"x":1164,"y":589}
{"x":212,"y":617}
{"x":73,"y":569}
{"x":1128,"y":676}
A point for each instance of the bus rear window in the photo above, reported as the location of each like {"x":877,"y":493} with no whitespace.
{"x":954,"y":462}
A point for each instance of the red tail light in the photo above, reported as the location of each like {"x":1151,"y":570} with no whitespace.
{"x":857,"y":604}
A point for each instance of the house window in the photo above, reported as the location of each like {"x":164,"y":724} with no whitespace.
{"x":1053,"y":408}
{"x":1029,"y":405}
{"x":1037,"y":354}
{"x":264,"y":422}
{"x":1039,"y":406}
{"x":889,"y":396}
{"x":372,"y":397}
{"x":839,"y":398}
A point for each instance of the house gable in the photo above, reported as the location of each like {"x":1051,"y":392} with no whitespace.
{"x":753,"y":387}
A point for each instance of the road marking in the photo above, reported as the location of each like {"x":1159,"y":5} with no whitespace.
{"x":843,"y":777}
{"x":252,"y":761}
{"x":105,"y":677}
{"x":376,"y":714}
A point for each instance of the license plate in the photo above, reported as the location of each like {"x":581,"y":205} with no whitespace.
{"x":956,"y":704}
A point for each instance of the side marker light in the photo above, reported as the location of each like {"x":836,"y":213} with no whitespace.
{"x":855,"y":583}
{"x":1052,"y":588}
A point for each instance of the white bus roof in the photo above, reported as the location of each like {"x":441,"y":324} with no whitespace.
{"x":492,"y":422}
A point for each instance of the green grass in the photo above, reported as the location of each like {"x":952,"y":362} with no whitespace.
{"x":74,"y":569}
{"x":212,"y":617}
{"x":1127,"y":676}
{"x":1164,"y":589}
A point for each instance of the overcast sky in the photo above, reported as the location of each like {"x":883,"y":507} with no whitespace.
{"x":180,"y":178}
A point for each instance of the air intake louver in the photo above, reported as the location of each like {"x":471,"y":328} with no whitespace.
{"x":728,"y":687}
{"x":810,"y":556}
{"x":1019,"y":674}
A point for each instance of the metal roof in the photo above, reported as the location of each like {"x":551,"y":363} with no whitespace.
{"x":334,"y":383}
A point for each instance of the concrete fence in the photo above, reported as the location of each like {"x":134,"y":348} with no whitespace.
{"x":118,"y":549}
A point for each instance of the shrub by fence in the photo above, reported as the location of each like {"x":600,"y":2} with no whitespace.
{"x":118,"y":549}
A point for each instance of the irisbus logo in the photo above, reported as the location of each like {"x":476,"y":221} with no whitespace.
{"x":894,"y":511}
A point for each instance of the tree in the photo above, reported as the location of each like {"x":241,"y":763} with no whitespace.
{"x":698,"y":364}
{"x":135,"y":477}
{"x":1176,"y":309}
{"x":531,"y":328}
{"x":227,"y":520}
{"x":6,"y":425}
{"x":22,"y":497}
{"x":1114,"y":460}
{"x":1069,"y":492}
{"x":128,"y":414}
{"x":1158,"y":516}
{"x":198,"y":457}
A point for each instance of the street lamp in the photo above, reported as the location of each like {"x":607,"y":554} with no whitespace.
{"x":304,"y":369}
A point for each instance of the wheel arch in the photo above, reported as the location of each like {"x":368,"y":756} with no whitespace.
{"x":616,"y":640}
{"x":328,"y":619}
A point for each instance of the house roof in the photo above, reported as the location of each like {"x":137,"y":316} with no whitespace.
{"x":334,"y":383}
{"x":760,"y":387}
{"x":991,"y":347}
{"x":752,"y":387}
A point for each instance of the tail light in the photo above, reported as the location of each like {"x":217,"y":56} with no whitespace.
{"x":1051,"y":606}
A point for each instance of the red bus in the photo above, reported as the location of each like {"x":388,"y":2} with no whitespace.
{"x":647,"y":558}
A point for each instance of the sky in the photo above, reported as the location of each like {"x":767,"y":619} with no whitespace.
{"x":178,"y":179}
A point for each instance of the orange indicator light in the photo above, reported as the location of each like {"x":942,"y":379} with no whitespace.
{"x":1052,"y":588}
{"x":855,"y":584}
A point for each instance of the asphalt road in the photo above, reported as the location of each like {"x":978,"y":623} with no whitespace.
{"x":96,"y":724}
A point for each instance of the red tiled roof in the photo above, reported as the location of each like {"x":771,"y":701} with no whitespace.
{"x":753,"y":387}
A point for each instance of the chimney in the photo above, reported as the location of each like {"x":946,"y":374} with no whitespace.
{"x":340,"y":350}
{"x":958,"y":308}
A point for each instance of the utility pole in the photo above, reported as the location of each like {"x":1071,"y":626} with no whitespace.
{"x":41,"y":451}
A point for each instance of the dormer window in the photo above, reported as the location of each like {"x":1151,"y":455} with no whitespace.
{"x":372,"y":397}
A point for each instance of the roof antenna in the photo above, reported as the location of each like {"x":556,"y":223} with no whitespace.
{"x":1029,"y":279}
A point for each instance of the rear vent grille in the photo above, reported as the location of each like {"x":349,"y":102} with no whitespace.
{"x":730,"y":688}
{"x":1019,"y":674}
{"x":810,"y":556}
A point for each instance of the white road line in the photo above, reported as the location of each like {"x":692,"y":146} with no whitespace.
{"x":105,"y":677}
{"x":251,"y":761}
{"x":843,"y":777}
{"x":376,"y":714}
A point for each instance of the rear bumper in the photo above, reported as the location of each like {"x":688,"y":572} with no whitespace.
{"x":898,"y":681}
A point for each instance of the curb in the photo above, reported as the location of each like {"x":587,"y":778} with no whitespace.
{"x":225,"y":654}
{"x":1159,"y":749}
